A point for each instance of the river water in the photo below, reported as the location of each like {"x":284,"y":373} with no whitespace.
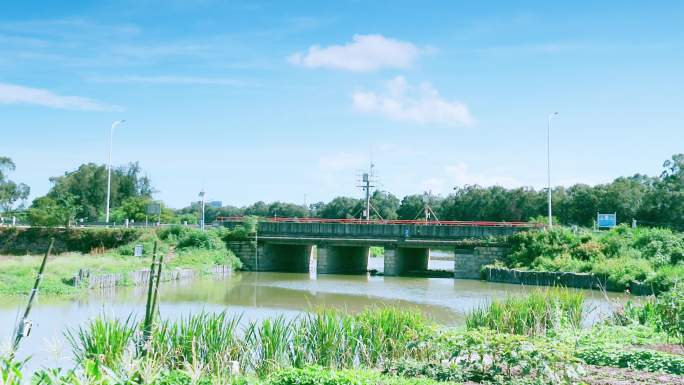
{"x":259,"y":295}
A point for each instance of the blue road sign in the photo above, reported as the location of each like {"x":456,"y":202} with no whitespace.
{"x":606,"y":220}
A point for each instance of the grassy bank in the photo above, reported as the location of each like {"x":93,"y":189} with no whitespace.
{"x":654,"y":257}
{"x":501,"y":344}
{"x":184,"y":247}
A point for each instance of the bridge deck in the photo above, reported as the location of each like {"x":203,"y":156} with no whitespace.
{"x":380,"y":231}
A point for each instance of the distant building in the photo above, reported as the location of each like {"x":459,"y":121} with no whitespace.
{"x":215,"y":204}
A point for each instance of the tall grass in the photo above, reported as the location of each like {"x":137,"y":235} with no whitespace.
{"x":205,"y":342}
{"x":102,"y":340}
{"x":541,"y":311}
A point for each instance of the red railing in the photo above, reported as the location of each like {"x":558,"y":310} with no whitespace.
{"x":388,"y":222}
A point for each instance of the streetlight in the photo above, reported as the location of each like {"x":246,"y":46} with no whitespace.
{"x":109,"y":167}
{"x":201,"y":195}
{"x":548,"y":165}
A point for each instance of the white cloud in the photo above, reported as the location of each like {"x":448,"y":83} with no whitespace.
{"x":170,"y":79}
{"x":15,"y":94}
{"x":402,"y":103}
{"x":364,"y":53}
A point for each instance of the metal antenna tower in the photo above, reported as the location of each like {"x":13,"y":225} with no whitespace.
{"x":367,"y":180}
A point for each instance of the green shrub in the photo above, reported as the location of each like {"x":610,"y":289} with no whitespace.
{"x":666,"y":278}
{"x":35,"y":240}
{"x":426,"y":369}
{"x":639,"y":359}
{"x":196,"y":238}
{"x":486,"y":355}
{"x":670,"y":309}
{"x":322,"y":376}
{"x":660,"y":246}
{"x":621,"y":271}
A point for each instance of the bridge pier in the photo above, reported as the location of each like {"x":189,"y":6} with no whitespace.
{"x":403,"y":260}
{"x":342,"y":259}
{"x":468,"y":262}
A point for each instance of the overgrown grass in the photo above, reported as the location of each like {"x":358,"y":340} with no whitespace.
{"x":210,"y":340}
{"x":17,"y":273}
{"x":538,"y":313}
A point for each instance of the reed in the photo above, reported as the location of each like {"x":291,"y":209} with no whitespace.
{"x":206,"y":342}
{"x":103,"y":340}
{"x":538,"y":313}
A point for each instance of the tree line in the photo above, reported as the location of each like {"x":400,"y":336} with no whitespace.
{"x":80,"y":195}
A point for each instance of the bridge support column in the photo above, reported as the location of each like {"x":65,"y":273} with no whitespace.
{"x":468,"y":262}
{"x":403,"y":260}
{"x":342,"y":259}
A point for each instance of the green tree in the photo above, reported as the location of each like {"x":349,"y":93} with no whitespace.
{"x":10,"y":191}
{"x":88,"y":186}
{"x":385,"y":205}
{"x":52,"y":211}
{"x":341,"y":207}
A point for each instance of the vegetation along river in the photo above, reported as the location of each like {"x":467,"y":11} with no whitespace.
{"x":260,"y":295}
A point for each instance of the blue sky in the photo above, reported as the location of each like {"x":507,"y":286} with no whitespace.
{"x":286,"y":101}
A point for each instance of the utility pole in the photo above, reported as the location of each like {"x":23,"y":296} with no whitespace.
{"x":366,"y":179}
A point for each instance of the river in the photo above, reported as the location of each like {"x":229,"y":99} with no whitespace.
{"x":259,"y":295}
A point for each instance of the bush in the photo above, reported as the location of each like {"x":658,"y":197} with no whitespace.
{"x":195,"y":238}
{"x":660,"y":246}
{"x":486,"y":355}
{"x":35,"y":240}
{"x":670,"y":309}
{"x":321,"y":376}
{"x":621,"y":271}
{"x":422,"y":369}
{"x":639,"y":359}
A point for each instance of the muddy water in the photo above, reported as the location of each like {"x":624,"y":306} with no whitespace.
{"x":259,"y":295}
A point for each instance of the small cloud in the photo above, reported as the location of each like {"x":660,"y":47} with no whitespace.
{"x":364,"y":53}
{"x":15,"y":94}
{"x":402,"y":103}
{"x":188,"y":80}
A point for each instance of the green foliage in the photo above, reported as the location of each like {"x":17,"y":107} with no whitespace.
{"x":670,"y":309}
{"x":10,"y":371}
{"x":88,"y":187}
{"x":102,"y":340}
{"x":35,"y":240}
{"x":639,"y":359}
{"x":323,"y":376}
{"x":622,"y":255}
{"x":10,"y":191}
{"x":541,"y":311}
{"x":486,"y":355}
{"x":437,"y":371}
{"x":621,"y":271}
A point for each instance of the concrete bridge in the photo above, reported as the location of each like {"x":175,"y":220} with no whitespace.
{"x":342,"y":246}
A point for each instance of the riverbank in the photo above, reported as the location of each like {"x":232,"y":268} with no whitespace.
{"x":187,"y":252}
{"x":519,"y":340}
{"x":622,"y":258}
